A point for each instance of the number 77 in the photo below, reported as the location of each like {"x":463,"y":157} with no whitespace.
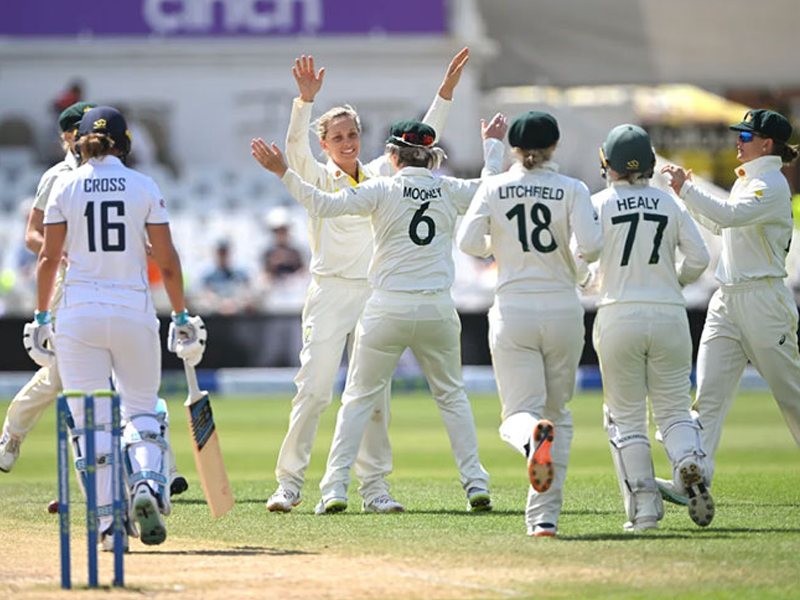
{"x":633,"y":219}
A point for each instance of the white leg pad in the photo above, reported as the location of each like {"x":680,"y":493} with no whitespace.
{"x":516,"y":431}
{"x":145,"y":451}
{"x":634,"y":466}
{"x":682,"y":441}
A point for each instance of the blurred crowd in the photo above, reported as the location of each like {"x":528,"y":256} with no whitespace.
{"x":243,"y":239}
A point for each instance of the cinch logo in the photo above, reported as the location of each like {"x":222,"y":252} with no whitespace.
{"x":99,"y":124}
{"x":633,"y":164}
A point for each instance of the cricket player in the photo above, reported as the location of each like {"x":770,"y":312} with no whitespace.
{"x":752,"y":316}
{"x":31,"y":401}
{"x":341,"y":248}
{"x":413,"y":216}
{"x":641,"y":332}
{"x":526,"y":218}
{"x":102,"y":214}
{"x":35,"y":396}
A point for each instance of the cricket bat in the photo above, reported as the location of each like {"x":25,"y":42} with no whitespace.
{"x":207,"y":452}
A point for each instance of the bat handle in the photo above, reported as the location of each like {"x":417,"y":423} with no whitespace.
{"x":191,"y":381}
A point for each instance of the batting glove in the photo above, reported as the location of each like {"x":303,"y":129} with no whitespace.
{"x":37,"y":337}
{"x":187,"y":337}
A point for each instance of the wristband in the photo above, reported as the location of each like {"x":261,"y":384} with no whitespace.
{"x":181,"y":318}
{"x":42,"y":317}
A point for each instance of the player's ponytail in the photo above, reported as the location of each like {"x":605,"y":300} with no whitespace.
{"x":532,"y":158}
{"x":95,"y":145}
{"x":430,"y":157}
{"x":787,"y":152}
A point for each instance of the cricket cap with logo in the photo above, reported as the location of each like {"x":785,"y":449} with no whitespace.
{"x":766,"y":123}
{"x":107,"y":120}
{"x":70,"y":117}
{"x":533,"y":130}
{"x":628,"y":149}
{"x":411,"y":134}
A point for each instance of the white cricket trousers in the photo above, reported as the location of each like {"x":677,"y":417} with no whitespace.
{"x":536,"y":342}
{"x":429,"y":325}
{"x":330,"y":315}
{"x":755,"y":321}
{"x":91,"y":341}
{"x":32,"y":400}
{"x":645,"y":349}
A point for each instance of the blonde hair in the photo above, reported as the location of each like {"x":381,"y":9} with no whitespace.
{"x":95,"y":145}
{"x":417,"y":156}
{"x":324,"y":122}
{"x":532,"y":158}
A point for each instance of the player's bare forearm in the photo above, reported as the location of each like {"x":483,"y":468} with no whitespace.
{"x":453,"y":74}
{"x":169,"y":263}
{"x":46,"y":271}
{"x":34,"y":233}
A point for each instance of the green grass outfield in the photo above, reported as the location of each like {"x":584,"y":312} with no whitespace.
{"x":751,"y":550}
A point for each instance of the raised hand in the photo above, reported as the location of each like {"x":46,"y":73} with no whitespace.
{"x":496,"y":128}
{"x":677,"y":177}
{"x":308,"y":80}
{"x":453,"y":74}
{"x":269,"y":157}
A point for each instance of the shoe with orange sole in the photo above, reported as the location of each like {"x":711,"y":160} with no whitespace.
{"x":540,"y":465}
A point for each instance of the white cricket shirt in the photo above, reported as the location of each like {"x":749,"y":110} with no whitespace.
{"x":70,"y":163}
{"x":642,"y":228}
{"x":106,"y":206}
{"x":341,"y":246}
{"x":413,"y":216}
{"x":526,"y":218}
{"x":755,"y":222}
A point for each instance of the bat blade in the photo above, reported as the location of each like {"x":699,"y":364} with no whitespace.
{"x":208,"y":454}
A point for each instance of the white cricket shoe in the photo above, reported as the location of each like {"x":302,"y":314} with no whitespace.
{"x":106,"y":543}
{"x":145,"y":511}
{"x":331,"y":506}
{"x":478,"y":500}
{"x":642,"y":524}
{"x":701,"y":504}
{"x":670,"y":493}
{"x":9,"y":451}
{"x":543,"y":530}
{"x":283,"y":500}
{"x":383,"y":504}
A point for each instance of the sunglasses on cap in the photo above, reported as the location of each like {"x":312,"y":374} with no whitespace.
{"x":746,"y":136}
{"x":417,"y":139}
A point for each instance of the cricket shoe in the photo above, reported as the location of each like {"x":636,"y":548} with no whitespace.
{"x":543,"y":530}
{"x":701,"y":504}
{"x":331,"y":506}
{"x":146,"y":512}
{"x":668,"y":491}
{"x":641,"y":524}
{"x":178,"y":485}
{"x":283,"y":500}
{"x":106,"y":543}
{"x":9,"y":451}
{"x":478,"y":500}
{"x":540,"y":464}
{"x":382,"y":504}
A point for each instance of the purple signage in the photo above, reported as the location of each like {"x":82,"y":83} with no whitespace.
{"x":219,"y":18}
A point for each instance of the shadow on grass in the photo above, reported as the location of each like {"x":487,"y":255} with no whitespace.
{"x":747,"y":530}
{"x":637,"y":537}
{"x":236,"y":551}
